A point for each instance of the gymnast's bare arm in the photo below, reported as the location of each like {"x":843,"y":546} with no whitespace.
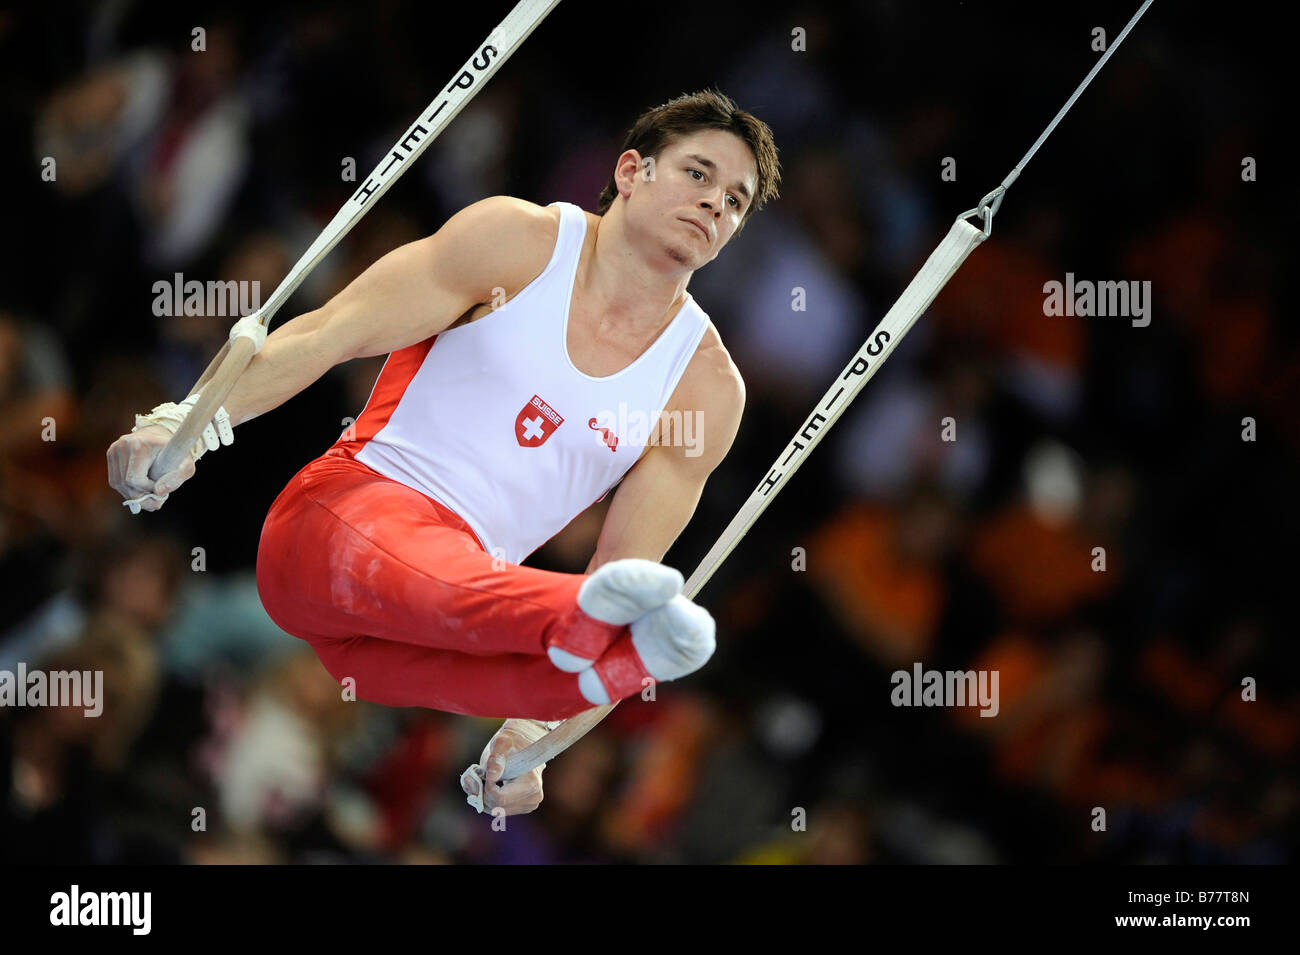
{"x":658,"y":496}
{"x":415,"y":291}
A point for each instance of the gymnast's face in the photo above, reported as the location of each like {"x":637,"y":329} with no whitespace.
{"x":709,"y":176}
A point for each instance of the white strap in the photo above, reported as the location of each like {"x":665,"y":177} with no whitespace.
{"x":475,"y":800}
{"x":135,"y":502}
{"x":252,"y":328}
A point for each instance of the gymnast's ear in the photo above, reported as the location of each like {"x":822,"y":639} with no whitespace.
{"x":630,"y":167}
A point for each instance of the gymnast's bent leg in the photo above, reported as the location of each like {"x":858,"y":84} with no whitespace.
{"x":393,"y":588}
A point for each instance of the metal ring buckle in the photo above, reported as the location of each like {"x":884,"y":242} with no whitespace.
{"x":986,"y":211}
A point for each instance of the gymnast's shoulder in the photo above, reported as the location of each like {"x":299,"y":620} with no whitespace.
{"x":509,"y":224}
{"x":711,"y":383}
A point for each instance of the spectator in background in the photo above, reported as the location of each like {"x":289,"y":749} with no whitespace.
{"x":898,"y":433}
{"x":881,"y":570}
{"x":187,"y":172}
{"x":37,"y":406}
{"x":35,"y":384}
{"x":272,"y":773}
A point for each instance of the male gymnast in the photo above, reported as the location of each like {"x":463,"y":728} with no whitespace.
{"x":510,"y":334}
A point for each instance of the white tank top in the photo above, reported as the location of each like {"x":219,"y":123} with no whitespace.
{"x":493,"y":420}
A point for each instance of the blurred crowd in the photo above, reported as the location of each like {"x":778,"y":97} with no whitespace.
{"x":964,"y":545}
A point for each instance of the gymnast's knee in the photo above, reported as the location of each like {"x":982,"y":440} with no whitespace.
{"x":331,"y":653}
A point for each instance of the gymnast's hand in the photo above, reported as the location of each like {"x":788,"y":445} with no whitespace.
{"x":520,"y":795}
{"x":129,"y":460}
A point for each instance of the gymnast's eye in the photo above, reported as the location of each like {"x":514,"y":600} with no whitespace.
{"x":729,"y":195}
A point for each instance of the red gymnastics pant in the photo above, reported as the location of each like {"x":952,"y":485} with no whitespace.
{"x":394,"y":589}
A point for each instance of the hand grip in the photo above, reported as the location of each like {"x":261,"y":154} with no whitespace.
{"x":182,"y":442}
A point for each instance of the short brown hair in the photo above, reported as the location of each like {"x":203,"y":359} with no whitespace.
{"x":658,"y":128}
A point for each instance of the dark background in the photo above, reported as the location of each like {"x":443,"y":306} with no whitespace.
{"x":1118,"y":689}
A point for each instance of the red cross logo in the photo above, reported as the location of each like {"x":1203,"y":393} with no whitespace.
{"x":535,"y":423}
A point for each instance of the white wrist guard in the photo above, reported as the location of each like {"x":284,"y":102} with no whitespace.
{"x":532,"y":730}
{"x":170,"y":415}
{"x":250,"y":327}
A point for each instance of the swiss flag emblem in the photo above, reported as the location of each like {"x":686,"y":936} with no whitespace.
{"x":535,"y":423}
